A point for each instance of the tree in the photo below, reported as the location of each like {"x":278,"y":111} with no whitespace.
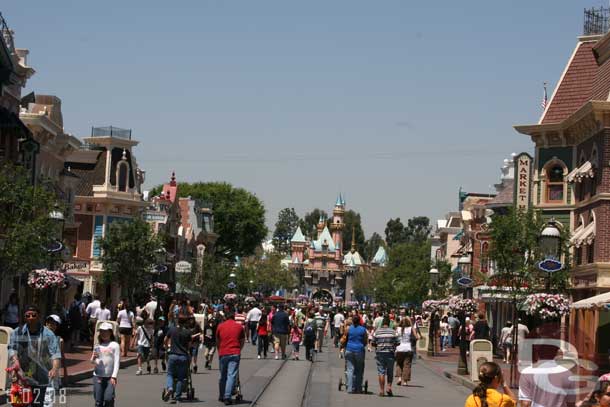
{"x":25,"y":226}
{"x":216,"y":279}
{"x":395,"y":232}
{"x":372,"y":245}
{"x":352,"y":222}
{"x":267,"y":275}
{"x":129,"y":251}
{"x":406,"y":278}
{"x":418,"y":229}
{"x":309,"y":223}
{"x":239,"y":216}
{"x":285,"y":227}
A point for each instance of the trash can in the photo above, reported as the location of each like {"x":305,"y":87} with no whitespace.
{"x":481,"y":351}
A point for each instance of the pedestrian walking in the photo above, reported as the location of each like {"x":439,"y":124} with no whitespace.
{"x":309,"y":336}
{"x":262,"y":330}
{"x":159,"y":347}
{"x":53,"y":323}
{"x":445,"y":329}
{"x":209,"y":339}
{"x":10,"y":312}
{"x":196,"y":334}
{"x":404,"y":351}
{"x":126,"y":322}
{"x":144,"y":336}
{"x":296,"y":335}
{"x":230,"y":338}
{"x":106,"y":359}
{"x":385,"y":341}
{"x":35,"y":348}
{"x":76,"y":317}
{"x":454,"y":325}
{"x":252,"y":318}
{"x":338,"y":320}
{"x":485,"y":394}
{"x":354,"y":355}
{"x":481,"y":328}
{"x":90,"y":311}
{"x":322,"y":329}
{"x":102,"y":313}
{"x":177,"y":340}
{"x":506,"y":341}
{"x":280,"y":326}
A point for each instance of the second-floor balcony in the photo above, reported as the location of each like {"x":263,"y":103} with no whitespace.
{"x":111,"y":131}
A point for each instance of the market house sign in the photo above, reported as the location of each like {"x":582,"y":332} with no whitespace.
{"x":523,"y":174}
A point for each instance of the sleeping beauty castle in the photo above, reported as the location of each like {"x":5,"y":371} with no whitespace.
{"x":324,"y":270}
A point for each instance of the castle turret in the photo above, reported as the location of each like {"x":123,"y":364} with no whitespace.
{"x":338,"y":224}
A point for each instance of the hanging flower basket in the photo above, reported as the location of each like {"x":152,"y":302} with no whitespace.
{"x":466,"y":305}
{"x":159,"y":287}
{"x":42,"y":279}
{"x":352,"y":303}
{"x":433,"y":305}
{"x":230,"y":297}
{"x":547,"y":306}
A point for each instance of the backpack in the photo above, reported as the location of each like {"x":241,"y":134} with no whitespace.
{"x":309,"y":332}
{"x":74,"y":313}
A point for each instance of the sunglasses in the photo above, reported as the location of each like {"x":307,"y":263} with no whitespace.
{"x":31,"y":315}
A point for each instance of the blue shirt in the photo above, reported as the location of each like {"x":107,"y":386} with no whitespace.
{"x":280,"y":323}
{"x":36,"y":352}
{"x":355,"y":338}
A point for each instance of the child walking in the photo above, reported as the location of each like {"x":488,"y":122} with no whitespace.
{"x":209,"y":340}
{"x":159,"y":350}
{"x":106,"y":358}
{"x":144,"y":336}
{"x":296,"y":335}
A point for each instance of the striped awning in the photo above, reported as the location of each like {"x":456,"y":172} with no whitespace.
{"x":582,"y":172}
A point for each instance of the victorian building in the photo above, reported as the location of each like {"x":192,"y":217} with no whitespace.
{"x":108,"y":190}
{"x":322,"y":267}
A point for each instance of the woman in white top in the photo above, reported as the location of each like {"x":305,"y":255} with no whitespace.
{"x":404,"y":351}
{"x":125,"y":319}
{"x":445,"y":333}
{"x":106,"y":358}
{"x":11,"y":311}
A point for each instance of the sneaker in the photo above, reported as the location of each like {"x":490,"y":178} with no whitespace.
{"x":148,"y":369}
{"x":276,"y":357}
{"x":228,"y":402}
{"x":167,"y":394}
{"x":259,"y":356}
{"x":195,"y":369}
{"x":139,"y":372}
{"x":163,"y":366}
{"x":156,"y":370}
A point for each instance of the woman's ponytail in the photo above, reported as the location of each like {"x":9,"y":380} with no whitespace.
{"x":487,"y":373}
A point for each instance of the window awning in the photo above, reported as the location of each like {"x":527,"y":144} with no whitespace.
{"x":583,"y":235}
{"x":582,"y":172}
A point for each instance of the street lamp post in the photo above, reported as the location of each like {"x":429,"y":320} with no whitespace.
{"x":465,"y":281}
{"x":58,"y":218}
{"x":549,"y":242}
{"x":432,"y":328}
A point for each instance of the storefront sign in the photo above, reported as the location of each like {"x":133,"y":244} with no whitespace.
{"x":155,"y":217}
{"x":523,"y":180}
{"x":81,"y":267}
{"x":183,"y":267}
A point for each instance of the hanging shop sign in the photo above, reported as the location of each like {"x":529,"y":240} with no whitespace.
{"x":550,"y":265}
{"x":183,"y":267}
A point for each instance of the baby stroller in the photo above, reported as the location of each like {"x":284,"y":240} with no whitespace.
{"x":343,"y":382}
{"x":190,"y":390}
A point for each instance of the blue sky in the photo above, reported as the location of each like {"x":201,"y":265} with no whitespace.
{"x":394,"y":103}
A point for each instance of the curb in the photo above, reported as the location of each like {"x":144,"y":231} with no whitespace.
{"x":461,"y":380}
{"x":86,"y":374}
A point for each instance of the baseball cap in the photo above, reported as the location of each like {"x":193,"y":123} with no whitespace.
{"x":55,"y":319}
{"x":105,"y":326}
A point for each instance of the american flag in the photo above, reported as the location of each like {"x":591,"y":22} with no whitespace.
{"x":544,"y":98}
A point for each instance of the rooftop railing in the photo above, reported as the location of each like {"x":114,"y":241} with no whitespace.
{"x":596,"y":21}
{"x":111,"y":131}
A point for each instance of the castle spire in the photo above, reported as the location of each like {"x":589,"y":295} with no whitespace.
{"x":172,"y":181}
{"x":353,"y":250}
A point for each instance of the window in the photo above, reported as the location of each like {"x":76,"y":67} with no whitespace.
{"x":324,"y":263}
{"x":485,"y":257}
{"x":578,"y":256}
{"x":123,"y":175}
{"x":554,"y":184}
{"x":591,"y":252}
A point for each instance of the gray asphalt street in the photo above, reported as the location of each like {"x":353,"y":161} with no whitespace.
{"x":286,"y":390}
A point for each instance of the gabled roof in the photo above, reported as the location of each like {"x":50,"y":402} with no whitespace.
{"x":325,"y":238}
{"x":505,"y":196}
{"x":381,"y":257}
{"x":298,"y":236}
{"x":353,"y":259}
{"x":576,"y":85}
{"x":89,"y":174}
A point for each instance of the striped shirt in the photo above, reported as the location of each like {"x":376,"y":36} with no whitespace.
{"x":240,"y":318}
{"x":385,"y":340}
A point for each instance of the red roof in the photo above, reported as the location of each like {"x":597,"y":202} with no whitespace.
{"x":576,"y":86}
{"x":170,"y":190}
{"x":184,"y":211}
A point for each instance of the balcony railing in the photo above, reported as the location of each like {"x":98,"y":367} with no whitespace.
{"x":111,"y":131}
{"x":7,"y":34}
{"x":596,"y":21}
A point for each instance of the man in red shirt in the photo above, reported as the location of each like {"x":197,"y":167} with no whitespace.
{"x":230,"y":340}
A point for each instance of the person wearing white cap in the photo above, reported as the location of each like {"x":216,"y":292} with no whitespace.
{"x":106,"y":358}
{"x":53,"y":322}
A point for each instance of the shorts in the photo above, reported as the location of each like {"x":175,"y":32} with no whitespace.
{"x":195,"y":350}
{"x":385,"y":363}
{"x":126,"y":331}
{"x":296,"y":346}
{"x":507,"y":345}
{"x":158,"y":351}
{"x":144,"y":351}
{"x":280,"y":339}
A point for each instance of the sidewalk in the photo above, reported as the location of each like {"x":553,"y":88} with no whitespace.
{"x":446,"y":363}
{"x":79,"y":367}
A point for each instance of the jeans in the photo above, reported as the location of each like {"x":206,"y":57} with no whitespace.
{"x":337,"y":336}
{"x":103,"y":392}
{"x":445,"y":341}
{"x":177,"y":366}
{"x":229,"y":369}
{"x":355,"y":371}
{"x":253,"y":332}
{"x":263,"y":345}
